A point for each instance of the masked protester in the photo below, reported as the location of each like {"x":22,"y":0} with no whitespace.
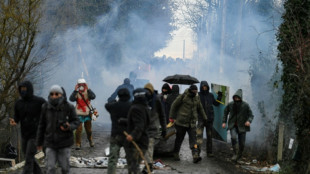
{"x":118,"y":111}
{"x":175,"y":92}
{"x":240,"y":118}
{"x":57,"y":123}
{"x":126,"y":85}
{"x":185,"y":110}
{"x":157,"y":117}
{"x":137,"y":125}
{"x":208,"y":101}
{"x":27,"y":113}
{"x":165,"y":91}
{"x":82,"y":95}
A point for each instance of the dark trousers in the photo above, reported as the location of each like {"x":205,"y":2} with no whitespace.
{"x":234,"y":132}
{"x":181,"y":131}
{"x":209,"y":132}
{"x":133,"y":159}
{"x":29,"y":148}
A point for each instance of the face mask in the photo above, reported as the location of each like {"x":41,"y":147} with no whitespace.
{"x":149,"y":96}
{"x":192,"y":94}
{"x":55,"y":101}
{"x":23,"y":94}
{"x":81,"y":88}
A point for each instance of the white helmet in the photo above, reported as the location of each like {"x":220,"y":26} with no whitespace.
{"x":80,"y":81}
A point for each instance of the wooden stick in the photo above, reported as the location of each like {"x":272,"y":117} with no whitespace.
{"x":141,"y":154}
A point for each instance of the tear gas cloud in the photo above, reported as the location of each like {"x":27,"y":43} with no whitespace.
{"x":85,"y":49}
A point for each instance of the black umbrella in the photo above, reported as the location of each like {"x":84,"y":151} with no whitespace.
{"x":181,"y":79}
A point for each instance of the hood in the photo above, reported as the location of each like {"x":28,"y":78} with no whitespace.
{"x":175,"y":89}
{"x":64,"y":94}
{"x":204,"y":83}
{"x":29,"y":87}
{"x":238,"y":93}
{"x":126,"y":81}
{"x":167,"y":87}
{"x":123,"y":94}
{"x":150,"y":87}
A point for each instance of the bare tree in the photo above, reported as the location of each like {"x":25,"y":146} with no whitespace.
{"x":18,"y":30}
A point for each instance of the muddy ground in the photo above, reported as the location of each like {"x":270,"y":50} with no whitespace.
{"x":220,"y":164}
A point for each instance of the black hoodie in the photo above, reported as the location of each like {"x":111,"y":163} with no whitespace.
{"x":207,"y":100}
{"x":28,"y":110}
{"x":175,"y":92}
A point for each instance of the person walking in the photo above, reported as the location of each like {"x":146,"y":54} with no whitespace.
{"x":27,"y":112}
{"x":240,"y":119}
{"x":57,"y":123}
{"x":208,"y":101}
{"x":118,"y":111}
{"x":157,"y":121}
{"x":82,"y":95}
{"x":184,"y":112}
{"x":137,"y":125}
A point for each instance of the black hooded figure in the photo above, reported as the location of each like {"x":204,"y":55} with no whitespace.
{"x":208,"y":101}
{"x":27,"y":113}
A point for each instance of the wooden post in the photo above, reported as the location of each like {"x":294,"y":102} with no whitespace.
{"x":280,"y":141}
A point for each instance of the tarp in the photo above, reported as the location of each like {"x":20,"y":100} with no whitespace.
{"x":219,"y":132}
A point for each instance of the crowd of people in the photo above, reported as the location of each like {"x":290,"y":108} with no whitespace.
{"x":139,"y":117}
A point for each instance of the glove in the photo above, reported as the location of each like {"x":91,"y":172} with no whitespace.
{"x":163,"y":133}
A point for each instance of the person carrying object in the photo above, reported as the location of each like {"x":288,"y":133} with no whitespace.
{"x":82,"y":95}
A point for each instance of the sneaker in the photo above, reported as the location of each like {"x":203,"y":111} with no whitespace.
{"x":91,"y":144}
{"x":197,"y":159}
{"x":210,"y":155}
{"x":77,"y":147}
{"x":176,"y":157}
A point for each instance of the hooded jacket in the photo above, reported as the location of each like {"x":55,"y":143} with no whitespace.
{"x":138,"y":122}
{"x":126,"y":85}
{"x":27,"y":111}
{"x":238,"y":117}
{"x":119,"y":110}
{"x":185,"y":110}
{"x":207,"y":100}
{"x":49,"y":132}
{"x":175,"y":92}
{"x":157,"y":113}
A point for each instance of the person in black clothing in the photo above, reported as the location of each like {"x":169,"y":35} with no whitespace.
{"x":175,"y":92}
{"x":118,"y":111}
{"x":208,"y":101}
{"x":137,"y":124}
{"x":165,"y":91}
{"x":55,"y":131}
{"x":27,"y":112}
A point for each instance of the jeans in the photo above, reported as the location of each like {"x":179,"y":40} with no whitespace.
{"x":234,"y":132}
{"x":62,"y":156}
{"x":30,"y":149}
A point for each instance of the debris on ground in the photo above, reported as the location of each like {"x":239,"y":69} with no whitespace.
{"x":98,"y":162}
{"x":273,"y":168}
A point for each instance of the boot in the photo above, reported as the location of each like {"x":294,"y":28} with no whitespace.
{"x":176,"y":157}
{"x":77,"y":147}
{"x":91,"y":143}
{"x":144,"y":171}
{"x":196,"y":158}
{"x":234,"y":157}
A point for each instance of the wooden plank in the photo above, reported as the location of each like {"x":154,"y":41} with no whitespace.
{"x":9,"y":160}
{"x":280,"y":141}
